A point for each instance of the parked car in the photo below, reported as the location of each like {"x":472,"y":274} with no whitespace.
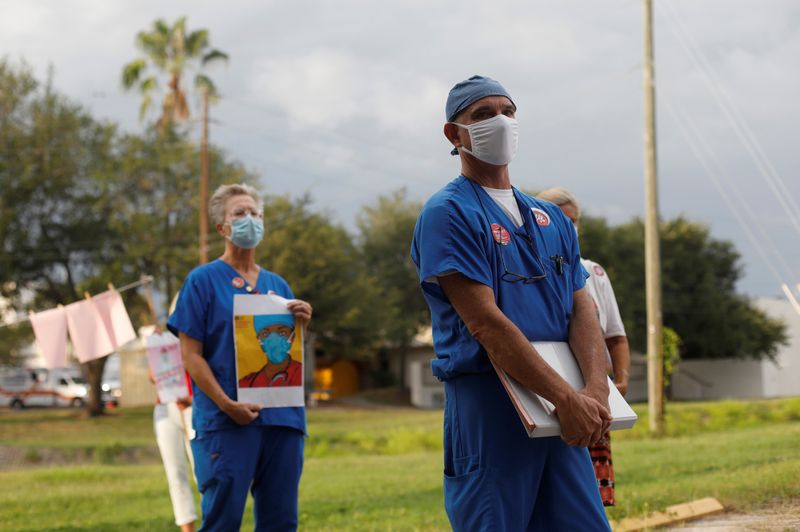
{"x":111,"y":391}
{"x":20,"y":387}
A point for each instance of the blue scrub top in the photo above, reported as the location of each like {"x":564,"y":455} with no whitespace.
{"x":461,"y":229}
{"x":205,"y":312}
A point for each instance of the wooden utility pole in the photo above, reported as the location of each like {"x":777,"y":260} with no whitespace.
{"x":203,"y":214}
{"x":652,"y":254}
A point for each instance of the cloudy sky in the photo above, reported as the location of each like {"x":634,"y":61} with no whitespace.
{"x":345,"y":99}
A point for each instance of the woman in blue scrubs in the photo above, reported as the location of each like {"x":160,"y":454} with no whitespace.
{"x":238,"y":446}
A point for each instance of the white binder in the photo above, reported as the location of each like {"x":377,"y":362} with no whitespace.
{"x":536,"y":412}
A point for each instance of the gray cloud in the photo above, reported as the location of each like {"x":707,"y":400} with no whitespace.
{"x":345,"y":98}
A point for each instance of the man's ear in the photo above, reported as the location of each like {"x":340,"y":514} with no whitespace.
{"x":451,"y":133}
{"x":220,"y":229}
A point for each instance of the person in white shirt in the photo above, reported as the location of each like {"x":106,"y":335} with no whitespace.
{"x":619,"y":357}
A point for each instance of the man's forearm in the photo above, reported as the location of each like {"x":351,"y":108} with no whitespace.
{"x":507,"y":347}
{"x":512,"y":352}
{"x":586,"y":341}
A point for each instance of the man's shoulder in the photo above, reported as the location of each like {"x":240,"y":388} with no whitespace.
{"x":451,"y":192}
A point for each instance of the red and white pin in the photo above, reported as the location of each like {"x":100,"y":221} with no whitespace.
{"x":541,"y":217}
{"x":500,"y":234}
{"x":237,"y":282}
{"x":598,"y":270}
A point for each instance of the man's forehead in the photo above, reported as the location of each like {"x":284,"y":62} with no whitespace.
{"x":491,"y":101}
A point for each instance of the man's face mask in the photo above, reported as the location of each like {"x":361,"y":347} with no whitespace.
{"x":493,"y":140}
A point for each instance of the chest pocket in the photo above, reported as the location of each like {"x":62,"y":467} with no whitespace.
{"x":553,"y":245}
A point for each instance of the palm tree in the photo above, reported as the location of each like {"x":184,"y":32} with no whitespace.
{"x":170,"y":50}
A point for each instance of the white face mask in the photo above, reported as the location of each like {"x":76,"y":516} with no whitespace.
{"x":493,"y":140}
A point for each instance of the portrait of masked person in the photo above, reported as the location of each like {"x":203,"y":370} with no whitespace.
{"x":275,"y":334}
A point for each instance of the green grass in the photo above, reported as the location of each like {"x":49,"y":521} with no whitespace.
{"x":380,"y":469}
{"x":64,"y":428}
{"x":687,"y":418}
{"x":349,"y":493}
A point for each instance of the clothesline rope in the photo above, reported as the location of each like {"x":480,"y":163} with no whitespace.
{"x":145,"y":279}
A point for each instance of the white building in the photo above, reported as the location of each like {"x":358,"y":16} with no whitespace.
{"x":746,"y":379}
{"x":694,"y":380}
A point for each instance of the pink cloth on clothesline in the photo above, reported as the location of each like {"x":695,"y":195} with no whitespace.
{"x":90,"y":338}
{"x":115,"y":318}
{"x":50,"y":329}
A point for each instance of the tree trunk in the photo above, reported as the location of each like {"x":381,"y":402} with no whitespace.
{"x":93,"y":371}
{"x":403,"y":359}
{"x":309,"y":366}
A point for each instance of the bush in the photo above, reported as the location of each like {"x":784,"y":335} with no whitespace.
{"x":108,"y":453}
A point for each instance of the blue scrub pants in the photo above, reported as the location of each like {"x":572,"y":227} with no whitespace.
{"x":265,"y":459}
{"x":497,"y":478}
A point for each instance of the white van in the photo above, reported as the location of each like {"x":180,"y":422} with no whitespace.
{"x":21,"y":387}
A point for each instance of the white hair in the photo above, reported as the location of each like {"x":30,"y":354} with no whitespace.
{"x":560,"y":196}
{"x":216,"y":205}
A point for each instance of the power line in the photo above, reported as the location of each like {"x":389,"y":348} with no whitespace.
{"x":693,"y":138}
{"x":742,"y":203}
{"x":734,"y":117}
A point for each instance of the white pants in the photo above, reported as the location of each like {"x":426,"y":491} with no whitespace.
{"x":172,"y":436}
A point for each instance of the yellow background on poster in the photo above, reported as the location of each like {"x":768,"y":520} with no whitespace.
{"x":250,"y":356}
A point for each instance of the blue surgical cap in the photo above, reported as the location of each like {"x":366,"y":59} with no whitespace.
{"x":265,"y":320}
{"x":470,"y":91}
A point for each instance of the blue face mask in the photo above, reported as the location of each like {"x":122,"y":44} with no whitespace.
{"x":276,"y":346}
{"x":246,"y":232}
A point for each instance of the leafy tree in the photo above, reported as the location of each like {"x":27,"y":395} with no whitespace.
{"x":699,"y":276}
{"x":53,"y":159}
{"x":321,"y":264}
{"x":170,"y":50}
{"x":152,"y":196}
{"x":84,"y":205}
{"x":385,"y":233}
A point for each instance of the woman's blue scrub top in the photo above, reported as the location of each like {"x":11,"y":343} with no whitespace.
{"x":461,"y":229}
{"x":205,"y":312}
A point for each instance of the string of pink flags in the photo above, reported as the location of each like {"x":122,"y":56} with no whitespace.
{"x":96,"y":326}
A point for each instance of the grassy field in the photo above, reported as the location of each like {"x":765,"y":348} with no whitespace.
{"x":381,"y":469}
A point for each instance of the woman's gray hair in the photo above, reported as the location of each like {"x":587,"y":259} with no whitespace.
{"x":560,"y":196}
{"x":216,"y":205}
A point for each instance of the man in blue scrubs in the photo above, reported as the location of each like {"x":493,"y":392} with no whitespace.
{"x":499,"y":270}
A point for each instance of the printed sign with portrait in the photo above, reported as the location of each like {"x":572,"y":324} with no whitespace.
{"x":269,"y":351}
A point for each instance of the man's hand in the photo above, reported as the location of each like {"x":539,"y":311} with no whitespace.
{"x":598,"y":391}
{"x":583,"y":419}
{"x":242,"y":413}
